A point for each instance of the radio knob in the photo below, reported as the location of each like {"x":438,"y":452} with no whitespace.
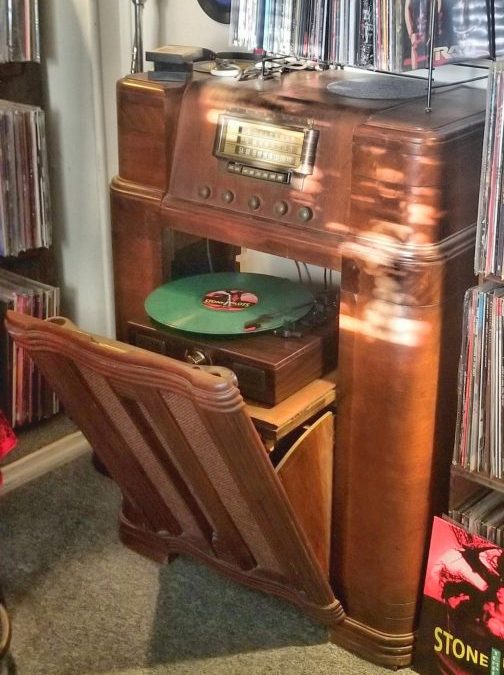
{"x":281,"y":208}
{"x":254,"y":202}
{"x":196,"y":357}
{"x":227,"y":196}
{"x":204,"y":192}
{"x":305,"y":214}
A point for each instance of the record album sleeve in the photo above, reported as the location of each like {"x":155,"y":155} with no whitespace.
{"x":462,"y":30}
{"x":461,"y":628}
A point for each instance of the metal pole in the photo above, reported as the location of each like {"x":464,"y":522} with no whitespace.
{"x":137,"y":51}
{"x":432,"y":28}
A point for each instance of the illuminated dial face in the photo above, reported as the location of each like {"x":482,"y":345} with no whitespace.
{"x":264,"y":144}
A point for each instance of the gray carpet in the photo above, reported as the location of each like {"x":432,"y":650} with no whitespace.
{"x":82,"y":604}
{"x":39,"y":434}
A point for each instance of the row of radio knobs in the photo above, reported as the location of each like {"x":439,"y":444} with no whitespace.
{"x":280,"y":207}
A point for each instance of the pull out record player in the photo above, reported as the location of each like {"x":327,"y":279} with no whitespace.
{"x":270,"y":332}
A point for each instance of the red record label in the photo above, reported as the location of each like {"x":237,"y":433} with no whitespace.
{"x":229,"y":300}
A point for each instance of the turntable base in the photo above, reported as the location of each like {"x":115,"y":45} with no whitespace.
{"x":269,"y":368}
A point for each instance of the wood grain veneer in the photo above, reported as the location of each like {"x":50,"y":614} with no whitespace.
{"x":195,"y":476}
{"x":394,"y":197}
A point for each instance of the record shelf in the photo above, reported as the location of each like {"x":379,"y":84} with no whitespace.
{"x":21,"y":82}
{"x":477,"y":474}
{"x":379,"y":37}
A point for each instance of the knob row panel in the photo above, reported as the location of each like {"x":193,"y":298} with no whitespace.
{"x":280,"y":208}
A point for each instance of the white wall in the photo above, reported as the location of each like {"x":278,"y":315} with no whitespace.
{"x":179,"y":22}
{"x":182,"y":22}
{"x":86,"y":46}
{"x":76,"y":160}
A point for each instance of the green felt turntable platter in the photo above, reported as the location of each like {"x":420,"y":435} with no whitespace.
{"x":228,"y":303}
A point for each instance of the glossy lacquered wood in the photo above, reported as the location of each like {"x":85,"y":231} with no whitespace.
{"x":306,"y":472}
{"x":269,"y":368}
{"x":180,"y":445}
{"x":394,"y":195}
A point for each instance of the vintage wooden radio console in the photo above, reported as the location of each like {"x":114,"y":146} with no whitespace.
{"x":382,"y":191}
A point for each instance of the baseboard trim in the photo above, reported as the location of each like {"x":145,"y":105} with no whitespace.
{"x":43,"y":460}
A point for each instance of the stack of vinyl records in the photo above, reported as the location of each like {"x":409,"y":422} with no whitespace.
{"x":19,"y":31}
{"x":27,"y":397}
{"x":390,"y":35}
{"x":319,"y":30}
{"x":482,"y":513}
{"x":479,"y":442}
{"x":24,"y":185}
{"x":489,"y":259}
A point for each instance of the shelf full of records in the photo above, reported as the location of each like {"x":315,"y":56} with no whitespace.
{"x":24,"y":185}
{"x":489,"y":258}
{"x":479,"y":436}
{"x":478,"y":461}
{"x":478,"y":440}
{"x":391,"y":35}
{"x":27,"y":397}
{"x":19,"y":31}
{"x":482,"y":513}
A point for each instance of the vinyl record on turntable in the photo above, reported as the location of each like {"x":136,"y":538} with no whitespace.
{"x":228,"y":303}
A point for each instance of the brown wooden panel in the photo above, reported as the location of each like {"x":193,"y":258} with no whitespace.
{"x":137,"y":254}
{"x":269,"y":368}
{"x":21,"y":82}
{"x":306,"y":472}
{"x":179,"y":443}
{"x":144,"y":116}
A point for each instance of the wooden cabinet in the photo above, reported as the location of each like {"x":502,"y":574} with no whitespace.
{"x":392,"y":200}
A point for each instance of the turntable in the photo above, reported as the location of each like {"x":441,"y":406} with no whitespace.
{"x":265,"y":329}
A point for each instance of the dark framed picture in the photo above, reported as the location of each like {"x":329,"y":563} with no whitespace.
{"x":218,"y":10}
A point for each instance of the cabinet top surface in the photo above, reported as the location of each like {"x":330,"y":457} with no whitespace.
{"x":306,"y":95}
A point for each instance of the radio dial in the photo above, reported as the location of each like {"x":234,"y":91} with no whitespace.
{"x":204,"y":191}
{"x":281,"y":208}
{"x":254,"y":202}
{"x":227,"y":196}
{"x":305,"y":214}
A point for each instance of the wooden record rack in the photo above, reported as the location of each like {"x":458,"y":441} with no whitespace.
{"x":387,"y":195}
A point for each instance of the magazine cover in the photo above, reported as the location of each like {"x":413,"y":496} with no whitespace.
{"x":461,"y":628}
{"x":462,"y":31}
